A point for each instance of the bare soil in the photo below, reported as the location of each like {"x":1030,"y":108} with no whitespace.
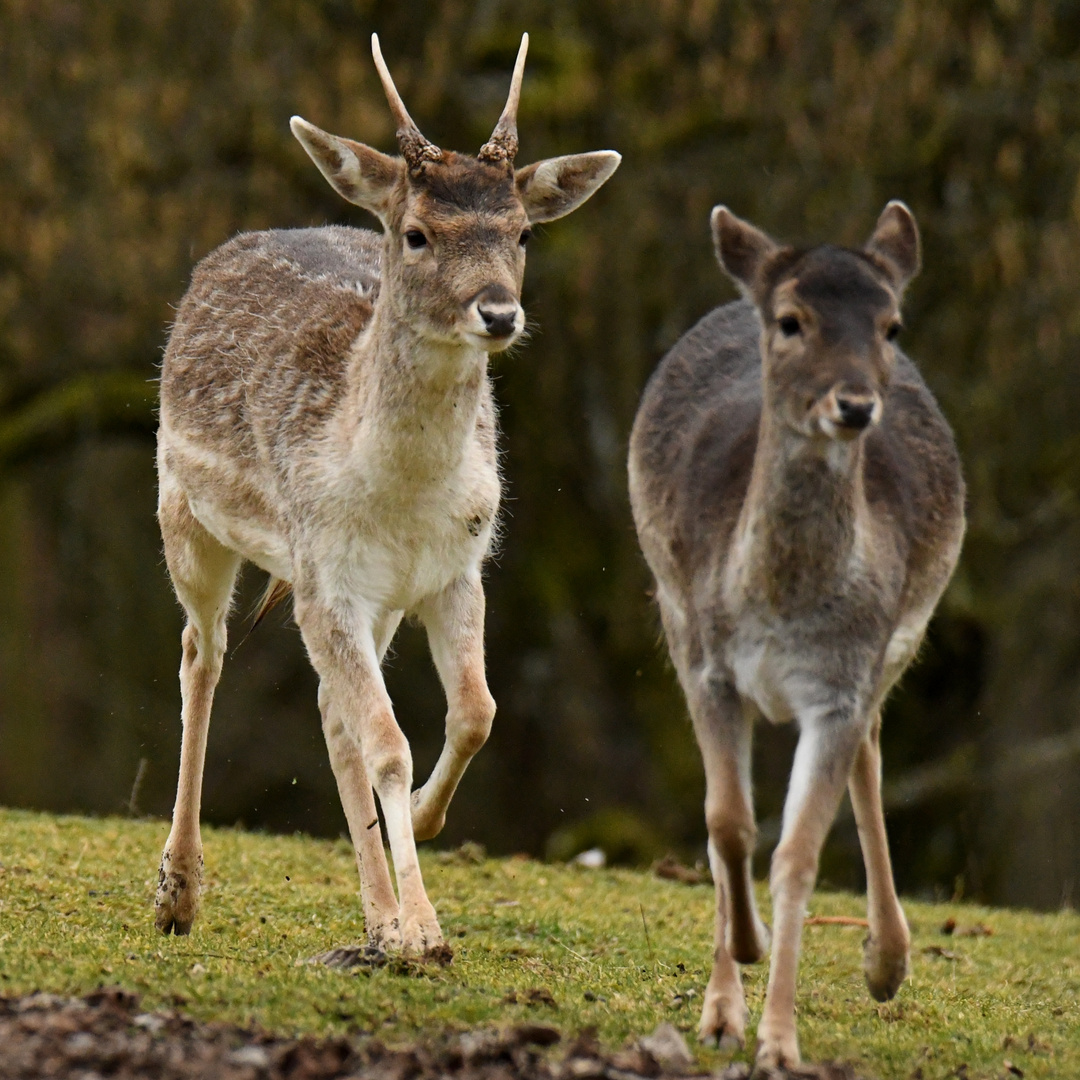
{"x":107,"y":1035}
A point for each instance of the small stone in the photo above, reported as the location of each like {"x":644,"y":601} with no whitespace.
{"x":256,"y":1056}
{"x":667,"y":1045}
{"x":593,"y":859}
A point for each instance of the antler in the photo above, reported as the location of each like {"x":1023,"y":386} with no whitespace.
{"x":415,"y":148}
{"x":503,"y":144}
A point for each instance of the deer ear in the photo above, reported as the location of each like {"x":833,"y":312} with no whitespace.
{"x":896,"y":242}
{"x":355,"y":171}
{"x":551,"y":189}
{"x":740,"y":248}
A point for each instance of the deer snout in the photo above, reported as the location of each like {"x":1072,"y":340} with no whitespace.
{"x":495,"y":314}
{"x":856,"y":413}
{"x":846,"y":412}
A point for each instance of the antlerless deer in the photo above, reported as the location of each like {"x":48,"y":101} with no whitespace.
{"x":326,"y":414}
{"x":798,"y":497}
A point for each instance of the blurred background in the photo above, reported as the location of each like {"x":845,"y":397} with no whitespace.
{"x":135,"y":136}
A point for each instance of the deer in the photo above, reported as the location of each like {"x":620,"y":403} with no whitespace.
{"x":327,"y":415}
{"x":798,"y":497}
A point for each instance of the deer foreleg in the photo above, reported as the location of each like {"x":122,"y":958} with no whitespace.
{"x":823,"y":761}
{"x":358,"y":801}
{"x":455,"y":626}
{"x":885,"y":953}
{"x":347,"y":662}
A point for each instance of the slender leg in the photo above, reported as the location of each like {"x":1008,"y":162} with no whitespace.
{"x":358,"y":802}
{"x":343,"y":652}
{"x":455,"y":626}
{"x":885,"y":953}
{"x":723,"y":733}
{"x":203,"y":574}
{"x":823,"y":761}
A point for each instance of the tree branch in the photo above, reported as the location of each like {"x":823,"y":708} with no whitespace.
{"x":110,"y":401}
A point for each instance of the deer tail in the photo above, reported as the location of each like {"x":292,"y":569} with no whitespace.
{"x":276,"y":591}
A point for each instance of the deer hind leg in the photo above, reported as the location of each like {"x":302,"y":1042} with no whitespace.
{"x":346,"y":660}
{"x":723,"y":732}
{"x":823,"y":761}
{"x":885,"y":952}
{"x":455,"y":626}
{"x":203,"y":572}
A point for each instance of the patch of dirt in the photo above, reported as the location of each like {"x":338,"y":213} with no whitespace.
{"x":106,"y":1034}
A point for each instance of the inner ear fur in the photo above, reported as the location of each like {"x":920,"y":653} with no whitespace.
{"x":895,"y":243}
{"x":551,"y":188}
{"x":356,"y":172}
{"x":741,"y":249}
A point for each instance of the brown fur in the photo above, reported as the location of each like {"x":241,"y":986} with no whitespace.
{"x":798,"y":497}
{"x":326,"y":413}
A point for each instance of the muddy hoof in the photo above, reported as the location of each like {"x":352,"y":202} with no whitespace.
{"x":177,"y":901}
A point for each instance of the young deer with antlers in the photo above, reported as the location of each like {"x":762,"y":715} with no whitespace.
{"x":326,"y":414}
{"x":798,"y":498}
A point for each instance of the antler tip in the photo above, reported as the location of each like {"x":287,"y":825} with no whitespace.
{"x":503,"y":144}
{"x":414,"y":147}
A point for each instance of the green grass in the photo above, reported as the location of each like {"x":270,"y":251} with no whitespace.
{"x":76,"y":912}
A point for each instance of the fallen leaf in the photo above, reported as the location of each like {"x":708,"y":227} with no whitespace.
{"x":670,"y":869}
{"x":937,"y":950}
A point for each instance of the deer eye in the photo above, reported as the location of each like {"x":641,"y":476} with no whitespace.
{"x":524,"y":238}
{"x":894,"y":331}
{"x":415,"y":239}
{"x":789,"y":326}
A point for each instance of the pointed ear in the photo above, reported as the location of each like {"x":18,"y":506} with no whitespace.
{"x":741,"y":249}
{"x":896,"y":243}
{"x":356,"y":172}
{"x":551,"y":189}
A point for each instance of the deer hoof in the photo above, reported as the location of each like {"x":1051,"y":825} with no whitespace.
{"x":427,"y":821}
{"x":748,"y":945}
{"x":723,"y":1023}
{"x":885,"y":970}
{"x":777,"y":1048}
{"x":420,"y":932}
{"x":177,"y":901}
{"x":385,"y":937}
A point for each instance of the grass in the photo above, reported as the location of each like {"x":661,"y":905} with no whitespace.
{"x":617,"y":949}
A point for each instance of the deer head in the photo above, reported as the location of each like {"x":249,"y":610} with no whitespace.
{"x":455,"y":226}
{"x":829,"y":318}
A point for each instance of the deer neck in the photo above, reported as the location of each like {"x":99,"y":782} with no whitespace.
{"x":413,"y":400}
{"x":800,"y":522}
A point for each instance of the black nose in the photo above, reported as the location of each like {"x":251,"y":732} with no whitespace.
{"x":498,"y":321}
{"x":498,"y":307}
{"x":855,"y":413}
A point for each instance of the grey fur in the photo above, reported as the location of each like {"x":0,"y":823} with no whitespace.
{"x":798,"y":497}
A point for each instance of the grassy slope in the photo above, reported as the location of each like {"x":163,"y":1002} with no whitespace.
{"x":75,"y":912}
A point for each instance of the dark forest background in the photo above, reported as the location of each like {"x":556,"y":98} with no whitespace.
{"x":137,"y":135}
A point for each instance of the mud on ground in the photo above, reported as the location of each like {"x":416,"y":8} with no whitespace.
{"x":107,"y":1035}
